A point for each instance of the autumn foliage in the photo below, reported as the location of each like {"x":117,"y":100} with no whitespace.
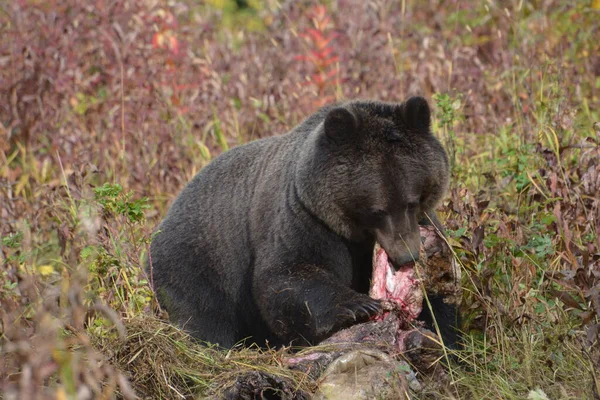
{"x":108,"y":108}
{"x":321,"y":55}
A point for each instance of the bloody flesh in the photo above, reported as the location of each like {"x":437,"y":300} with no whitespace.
{"x":400,"y":287}
{"x":400,"y":292}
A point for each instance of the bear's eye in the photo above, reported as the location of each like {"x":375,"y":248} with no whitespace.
{"x":372,"y":218}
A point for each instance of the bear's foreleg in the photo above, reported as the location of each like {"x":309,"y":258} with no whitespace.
{"x":308,"y":303}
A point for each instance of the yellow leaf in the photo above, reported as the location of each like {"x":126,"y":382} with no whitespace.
{"x":596,"y":4}
{"x":21,"y":184}
{"x":60,"y":394}
{"x":45,"y":270}
{"x":454,"y":243}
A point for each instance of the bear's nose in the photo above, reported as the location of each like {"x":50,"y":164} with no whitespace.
{"x":404,"y":261}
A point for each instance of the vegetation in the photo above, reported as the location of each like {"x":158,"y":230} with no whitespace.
{"x":109,"y":107}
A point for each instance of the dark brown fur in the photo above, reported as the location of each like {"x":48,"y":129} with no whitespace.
{"x":272,"y":241}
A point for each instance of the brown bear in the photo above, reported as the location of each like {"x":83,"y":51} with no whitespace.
{"x":272,"y":241}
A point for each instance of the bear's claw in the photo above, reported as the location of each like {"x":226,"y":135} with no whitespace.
{"x":361,"y":309}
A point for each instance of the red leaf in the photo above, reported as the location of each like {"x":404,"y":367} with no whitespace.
{"x":319,"y":11}
{"x":330,"y":61}
{"x":174,"y":44}
{"x":325,"y":52}
{"x":314,"y":34}
{"x":157,"y":40}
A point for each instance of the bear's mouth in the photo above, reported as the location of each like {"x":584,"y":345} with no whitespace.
{"x":399,"y":288}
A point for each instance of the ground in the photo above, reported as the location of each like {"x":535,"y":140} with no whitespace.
{"x":108,"y":109}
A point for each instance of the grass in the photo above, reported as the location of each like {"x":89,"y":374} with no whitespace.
{"x":108,"y":110}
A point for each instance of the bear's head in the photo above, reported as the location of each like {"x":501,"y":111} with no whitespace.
{"x":372,"y":171}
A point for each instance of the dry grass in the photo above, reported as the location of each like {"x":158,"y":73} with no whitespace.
{"x":165,"y":363}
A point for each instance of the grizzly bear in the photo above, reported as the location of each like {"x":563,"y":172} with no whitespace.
{"x":272,"y":242}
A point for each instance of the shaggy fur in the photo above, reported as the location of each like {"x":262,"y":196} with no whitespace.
{"x":272,"y":241}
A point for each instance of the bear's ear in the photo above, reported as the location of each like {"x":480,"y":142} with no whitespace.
{"x":340,"y":124}
{"x":416,"y":114}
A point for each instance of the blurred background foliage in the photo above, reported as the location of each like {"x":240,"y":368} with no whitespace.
{"x":109,"y":107}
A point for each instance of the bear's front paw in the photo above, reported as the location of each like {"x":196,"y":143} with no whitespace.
{"x":358,"y":309}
